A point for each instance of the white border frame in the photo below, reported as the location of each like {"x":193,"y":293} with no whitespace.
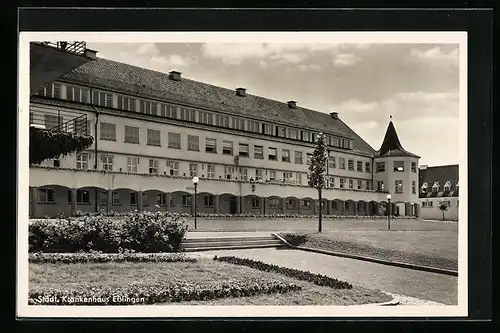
{"x":25,"y":310}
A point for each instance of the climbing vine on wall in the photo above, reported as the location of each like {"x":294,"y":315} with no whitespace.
{"x":45,"y":144}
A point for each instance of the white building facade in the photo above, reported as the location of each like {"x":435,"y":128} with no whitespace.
{"x":153,"y":132}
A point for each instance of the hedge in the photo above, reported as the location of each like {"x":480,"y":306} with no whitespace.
{"x":137,"y":231}
{"x":73,"y":258}
{"x":320,"y":280}
{"x":173,"y":292}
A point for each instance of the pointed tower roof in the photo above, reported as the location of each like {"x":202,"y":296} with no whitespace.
{"x":391,"y":145}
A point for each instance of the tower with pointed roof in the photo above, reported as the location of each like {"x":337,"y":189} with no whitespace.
{"x":396,"y":171}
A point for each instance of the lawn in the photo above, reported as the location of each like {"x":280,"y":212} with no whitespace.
{"x":429,"y":248}
{"x":203,"y":274}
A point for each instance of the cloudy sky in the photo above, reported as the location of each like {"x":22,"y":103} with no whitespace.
{"x":365,"y":83}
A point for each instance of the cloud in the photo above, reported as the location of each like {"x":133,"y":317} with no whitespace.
{"x":147,"y":49}
{"x":403,"y":106}
{"x":263,"y":64}
{"x":149,"y":55}
{"x":345,"y":60}
{"x":292,"y":58}
{"x":309,"y":68}
{"x":434,"y":57}
{"x":236,"y":53}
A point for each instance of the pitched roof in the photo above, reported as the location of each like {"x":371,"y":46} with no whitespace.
{"x":440,"y":174}
{"x":391,"y":145}
{"x":115,"y":76}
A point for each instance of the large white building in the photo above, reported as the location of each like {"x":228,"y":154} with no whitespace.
{"x":155,"y":131}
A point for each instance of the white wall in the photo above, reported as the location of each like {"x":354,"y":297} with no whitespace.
{"x":433,"y":213}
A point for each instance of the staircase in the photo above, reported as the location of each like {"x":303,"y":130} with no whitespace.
{"x":230,"y":243}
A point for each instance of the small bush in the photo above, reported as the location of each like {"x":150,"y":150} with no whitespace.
{"x":153,"y":232}
{"x":295,"y":239}
{"x":138,"y":231}
{"x":320,"y":280}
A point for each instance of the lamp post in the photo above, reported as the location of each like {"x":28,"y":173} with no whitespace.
{"x":389,"y":212}
{"x":195,"y":182}
{"x":412,"y":209}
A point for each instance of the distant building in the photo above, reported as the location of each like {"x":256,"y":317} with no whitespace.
{"x":155,"y":131}
{"x":438,"y":184}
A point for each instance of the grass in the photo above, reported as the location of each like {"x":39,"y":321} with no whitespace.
{"x":429,"y":248}
{"x":204,"y":272}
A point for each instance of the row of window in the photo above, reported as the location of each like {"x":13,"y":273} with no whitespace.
{"x":398,"y":166}
{"x":210,"y":171}
{"x":127,"y":103}
{"x":108,"y":132}
{"x":430,"y":203}
{"x":436,"y":187}
{"x":47,"y":195}
{"x":398,"y":186}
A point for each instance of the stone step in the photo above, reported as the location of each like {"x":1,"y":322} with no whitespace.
{"x":230,"y":247}
{"x":247,"y":242}
{"x":228,"y":239}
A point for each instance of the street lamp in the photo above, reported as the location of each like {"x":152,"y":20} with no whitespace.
{"x":195,"y":182}
{"x":389,"y":211}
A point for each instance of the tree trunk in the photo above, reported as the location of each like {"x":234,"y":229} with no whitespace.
{"x":443,"y":215}
{"x":320,"y":224}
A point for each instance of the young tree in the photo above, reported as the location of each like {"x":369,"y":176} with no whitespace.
{"x":443,"y":206}
{"x":317,"y":172}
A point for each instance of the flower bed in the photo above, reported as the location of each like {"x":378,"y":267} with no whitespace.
{"x":137,"y":231}
{"x":169,"y":292}
{"x":320,"y":280}
{"x":93,"y":257}
{"x":250,"y":215}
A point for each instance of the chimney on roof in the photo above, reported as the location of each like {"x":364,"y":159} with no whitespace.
{"x":292,"y":104}
{"x":423,"y":167}
{"x":91,"y":54}
{"x":335,"y":115}
{"x":174,"y":75}
{"x":241,"y":92}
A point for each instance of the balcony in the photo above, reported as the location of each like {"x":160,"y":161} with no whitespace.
{"x":60,"y":121}
{"x":51,"y":60}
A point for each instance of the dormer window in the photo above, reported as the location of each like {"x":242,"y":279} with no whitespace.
{"x":447,"y":186}
{"x":423,"y":189}
{"x":435,"y":187}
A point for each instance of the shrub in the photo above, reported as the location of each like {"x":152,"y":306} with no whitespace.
{"x":153,"y":232}
{"x":295,"y":239}
{"x":138,"y":231}
{"x":320,"y":280}
{"x":101,"y":234}
{"x":98,"y":257}
{"x":150,"y":294}
{"x":58,"y":235}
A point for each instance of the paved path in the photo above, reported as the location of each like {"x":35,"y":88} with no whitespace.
{"x":421,"y":285}
{"x":311,"y":225}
